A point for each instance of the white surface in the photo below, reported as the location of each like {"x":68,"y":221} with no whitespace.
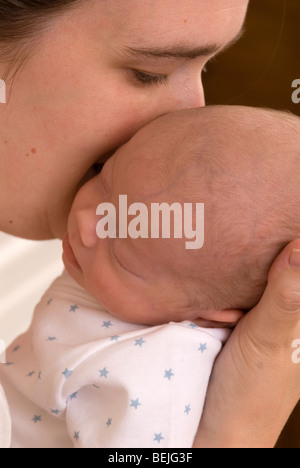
{"x":27,"y":269}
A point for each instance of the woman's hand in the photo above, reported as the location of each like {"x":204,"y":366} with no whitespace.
{"x":255,"y":383}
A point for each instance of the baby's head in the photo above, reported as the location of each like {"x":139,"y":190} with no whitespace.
{"x":243,"y":164}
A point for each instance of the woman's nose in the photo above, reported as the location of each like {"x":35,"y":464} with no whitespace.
{"x":190,"y":95}
{"x":87,"y":223}
{"x":187,"y":89}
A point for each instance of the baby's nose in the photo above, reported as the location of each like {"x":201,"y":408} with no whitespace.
{"x":87,"y":222}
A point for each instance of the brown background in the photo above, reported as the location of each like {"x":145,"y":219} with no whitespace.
{"x":260,"y":68}
{"x":259,"y":71}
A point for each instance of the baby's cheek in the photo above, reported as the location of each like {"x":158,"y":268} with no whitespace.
{"x":96,"y":281}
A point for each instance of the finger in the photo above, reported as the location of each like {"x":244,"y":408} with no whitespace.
{"x":278,"y":314}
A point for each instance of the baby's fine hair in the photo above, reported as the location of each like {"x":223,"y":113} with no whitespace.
{"x":248,"y":161}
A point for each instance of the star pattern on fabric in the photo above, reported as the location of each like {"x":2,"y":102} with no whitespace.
{"x":193,"y":325}
{"x":104,"y":372}
{"x":67,"y":373}
{"x":114,"y":338}
{"x":140,"y":342}
{"x":49,"y":302}
{"x":135,"y":403}
{"x":152,"y":363}
{"x":36,"y":418}
{"x":168,"y":374}
{"x":203,"y":347}
{"x":158,"y":437}
{"x":107,"y":324}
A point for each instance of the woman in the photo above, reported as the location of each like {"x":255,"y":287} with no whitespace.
{"x":82,"y":77}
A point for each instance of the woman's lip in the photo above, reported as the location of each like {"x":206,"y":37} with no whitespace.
{"x":69,"y":253}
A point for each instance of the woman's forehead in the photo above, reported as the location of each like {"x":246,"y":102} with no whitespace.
{"x":165,"y":25}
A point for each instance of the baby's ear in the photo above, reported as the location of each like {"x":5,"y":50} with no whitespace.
{"x":87,"y":227}
{"x":219,"y":318}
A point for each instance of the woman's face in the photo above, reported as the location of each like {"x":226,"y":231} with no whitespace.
{"x":95,"y":76}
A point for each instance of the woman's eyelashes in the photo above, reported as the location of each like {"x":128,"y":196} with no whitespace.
{"x":148,"y":79}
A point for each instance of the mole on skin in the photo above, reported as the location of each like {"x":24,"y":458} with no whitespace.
{"x":33,"y":151}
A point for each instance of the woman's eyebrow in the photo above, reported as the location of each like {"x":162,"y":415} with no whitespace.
{"x":179,"y":52}
{"x":176,"y":52}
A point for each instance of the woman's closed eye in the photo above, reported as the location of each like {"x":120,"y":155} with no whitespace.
{"x":148,"y":79}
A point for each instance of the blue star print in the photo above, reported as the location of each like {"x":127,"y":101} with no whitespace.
{"x":158,"y":437}
{"x":67,"y":373}
{"x":55,"y":411}
{"x":203,"y":347}
{"x":36,"y":419}
{"x":135,"y":403}
{"x":74,"y":308}
{"x":51,"y":338}
{"x":169,"y":374}
{"x":30,"y":374}
{"x":114,"y":338}
{"x":49,"y":302}
{"x":104,"y":372}
{"x":16,"y":349}
{"x":73,"y":396}
{"x":193,"y":325}
{"x":76,"y":435}
{"x":109,"y":422}
{"x":140,"y":342}
{"x":107,"y":324}
{"x":187,"y":409}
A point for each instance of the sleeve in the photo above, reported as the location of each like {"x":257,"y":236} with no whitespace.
{"x":143,"y":391}
{"x":92,"y":381}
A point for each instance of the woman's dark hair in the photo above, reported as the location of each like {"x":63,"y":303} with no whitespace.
{"x":19,"y":19}
{"x":22,"y":20}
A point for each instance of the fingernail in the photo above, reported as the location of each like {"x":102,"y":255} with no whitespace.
{"x":295,"y":259}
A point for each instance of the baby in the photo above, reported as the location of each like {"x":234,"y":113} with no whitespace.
{"x":121,"y":347}
{"x":243,"y":164}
